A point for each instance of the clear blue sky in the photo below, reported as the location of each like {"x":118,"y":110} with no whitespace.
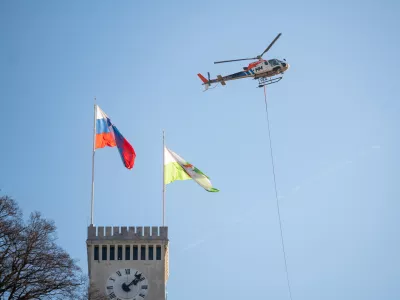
{"x":334,"y":121}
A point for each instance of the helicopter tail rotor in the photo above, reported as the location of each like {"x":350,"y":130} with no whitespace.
{"x":206,"y":83}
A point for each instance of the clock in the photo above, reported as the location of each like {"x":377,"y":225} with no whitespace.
{"x":127,"y":284}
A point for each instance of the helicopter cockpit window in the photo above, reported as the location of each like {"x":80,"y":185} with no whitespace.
{"x":274,"y":62}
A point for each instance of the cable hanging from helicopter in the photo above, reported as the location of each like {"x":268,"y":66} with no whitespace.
{"x":276,"y":195}
{"x":263,"y":70}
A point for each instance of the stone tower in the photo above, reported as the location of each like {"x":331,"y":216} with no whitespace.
{"x":128,"y":263}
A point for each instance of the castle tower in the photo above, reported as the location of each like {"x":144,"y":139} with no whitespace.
{"x":128,"y":263}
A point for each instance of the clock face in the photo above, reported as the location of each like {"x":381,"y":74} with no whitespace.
{"x":127,"y":284}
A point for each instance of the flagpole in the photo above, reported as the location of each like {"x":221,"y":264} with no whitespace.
{"x":163,"y":178}
{"x":94,"y":148}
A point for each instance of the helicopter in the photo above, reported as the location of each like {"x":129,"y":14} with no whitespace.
{"x":266,"y":71}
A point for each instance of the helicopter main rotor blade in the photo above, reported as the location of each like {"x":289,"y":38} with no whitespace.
{"x":270,"y":45}
{"x":224,"y":61}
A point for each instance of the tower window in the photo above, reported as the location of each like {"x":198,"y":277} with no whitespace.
{"x":104,"y":253}
{"x":119,"y":252}
{"x":158,"y":253}
{"x":127,"y":252}
{"x":96,"y":252}
{"x":112,"y":252}
{"x":151,"y":252}
{"x":143,"y":253}
{"x":135,"y":253}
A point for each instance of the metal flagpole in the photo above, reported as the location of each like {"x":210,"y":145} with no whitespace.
{"x":163,"y":178}
{"x":94,"y":148}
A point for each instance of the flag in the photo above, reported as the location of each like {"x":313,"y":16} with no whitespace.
{"x":108,"y":135}
{"x":176,"y":168}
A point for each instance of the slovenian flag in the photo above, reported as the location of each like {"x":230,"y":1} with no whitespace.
{"x":108,"y":135}
{"x":176,"y":168}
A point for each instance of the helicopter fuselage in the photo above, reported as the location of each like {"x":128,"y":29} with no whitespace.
{"x":258,"y":69}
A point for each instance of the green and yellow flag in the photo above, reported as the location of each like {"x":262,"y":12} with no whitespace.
{"x":176,"y":168}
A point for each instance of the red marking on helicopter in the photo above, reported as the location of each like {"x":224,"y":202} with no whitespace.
{"x":202,"y":78}
{"x":254,"y":64}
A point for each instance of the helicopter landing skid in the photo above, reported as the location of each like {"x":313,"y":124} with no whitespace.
{"x":263,"y":81}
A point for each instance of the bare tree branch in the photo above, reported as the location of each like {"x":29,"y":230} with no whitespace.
{"x":32,"y":265}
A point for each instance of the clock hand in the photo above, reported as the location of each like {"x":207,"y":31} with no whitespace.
{"x":126,"y":287}
{"x":138,"y":277}
{"x":132,"y":282}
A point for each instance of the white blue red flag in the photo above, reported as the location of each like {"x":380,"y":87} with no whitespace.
{"x":108,"y":135}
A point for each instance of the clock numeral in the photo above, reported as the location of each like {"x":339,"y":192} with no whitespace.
{"x":110,"y":287}
{"x":141,"y":279}
{"x":142,"y":295}
{"x":145,"y":287}
{"x":127,"y":271}
{"x":111,"y":279}
{"x":112,"y":295}
{"x":119,"y":273}
{"x":118,"y":299}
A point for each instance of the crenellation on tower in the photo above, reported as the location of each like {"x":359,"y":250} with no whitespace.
{"x":100,"y":231}
{"x":154,"y":231}
{"x":147,"y":231}
{"x":115,"y":231}
{"x":127,"y":233}
{"x":139,"y":231}
{"x":91,"y":231}
{"x":108,"y":231}
{"x":124,"y":230}
{"x":164,"y":232}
